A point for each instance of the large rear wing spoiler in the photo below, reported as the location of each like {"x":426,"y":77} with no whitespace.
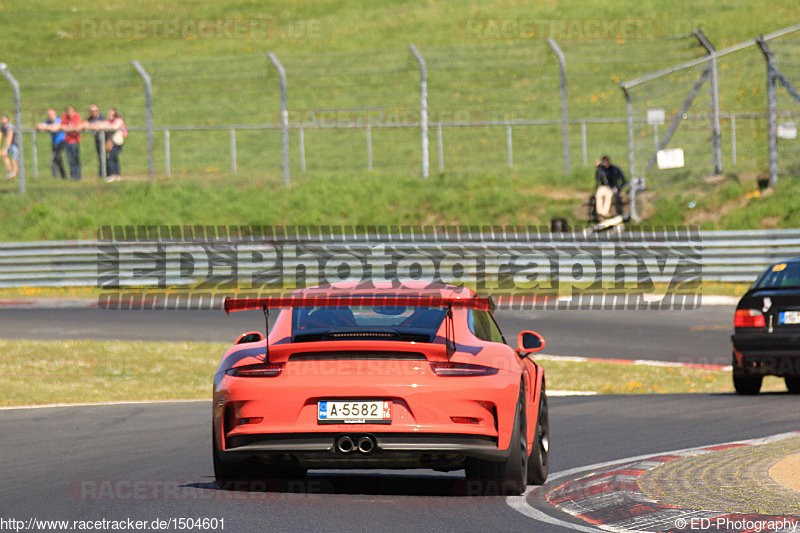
{"x":251,"y":304}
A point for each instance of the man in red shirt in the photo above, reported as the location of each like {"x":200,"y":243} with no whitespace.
{"x":72,"y":124}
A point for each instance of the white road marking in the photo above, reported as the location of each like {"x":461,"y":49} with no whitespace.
{"x":44,"y":303}
{"x":567,"y":358}
{"x":710,"y":299}
{"x":520,"y":504}
{"x":639,"y":362}
{"x":96,"y":404}
{"x":82,"y":303}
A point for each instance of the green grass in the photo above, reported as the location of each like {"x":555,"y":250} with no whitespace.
{"x":356,"y":25}
{"x":348,"y":61}
{"x":45,"y":372}
{"x":735,"y":480}
{"x":611,"y":378}
{"x":776,"y":209}
{"x":64,"y":210}
{"x":67,"y":211}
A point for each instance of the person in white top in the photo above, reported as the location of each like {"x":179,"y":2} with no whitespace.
{"x":116,"y":132}
{"x":9,"y":147}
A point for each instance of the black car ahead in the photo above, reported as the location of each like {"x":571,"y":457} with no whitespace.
{"x":766,"y":340}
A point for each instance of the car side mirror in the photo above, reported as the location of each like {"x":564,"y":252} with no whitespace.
{"x":250,"y":336}
{"x":529,"y":342}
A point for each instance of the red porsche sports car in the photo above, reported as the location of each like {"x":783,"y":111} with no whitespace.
{"x":381,"y":376}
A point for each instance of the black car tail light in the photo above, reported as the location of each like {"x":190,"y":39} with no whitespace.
{"x":749,"y":318}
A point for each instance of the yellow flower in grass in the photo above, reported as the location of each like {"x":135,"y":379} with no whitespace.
{"x":754,"y":194}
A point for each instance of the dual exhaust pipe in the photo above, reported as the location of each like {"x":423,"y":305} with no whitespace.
{"x":346,"y":444}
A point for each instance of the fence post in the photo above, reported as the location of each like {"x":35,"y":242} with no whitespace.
{"x":167,"y":165}
{"x":35,"y":154}
{"x":284,"y":117}
{"x":655,"y":136}
{"x":715,"y":127}
{"x":302,"y":150}
{"x":369,"y":147}
{"x":423,"y":106}
{"x":440,"y":148}
{"x":562,"y":68}
{"x":771,"y":112}
{"x":733,"y":140}
{"x":103,"y":169}
{"x":148,"y":94}
{"x":676,"y":120}
{"x":18,"y":119}
{"x":585,"y":156}
{"x":234,"y":165}
{"x":772,"y":126}
{"x":509,"y":146}
{"x":631,"y":153}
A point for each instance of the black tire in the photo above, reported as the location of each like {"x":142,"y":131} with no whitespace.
{"x":233,"y":476}
{"x":744,"y":383}
{"x":539,"y":460}
{"x":509,"y":478}
{"x":793,"y":384}
{"x":252,"y":474}
{"x":747,"y":385}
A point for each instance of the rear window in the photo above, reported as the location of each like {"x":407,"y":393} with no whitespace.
{"x":781,"y":275}
{"x":422,"y":320}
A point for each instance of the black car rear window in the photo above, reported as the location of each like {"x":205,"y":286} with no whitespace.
{"x":781,"y":275}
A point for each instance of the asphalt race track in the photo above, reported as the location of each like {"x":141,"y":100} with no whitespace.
{"x":153,"y":461}
{"x":700,"y":335}
{"x":56,"y":460}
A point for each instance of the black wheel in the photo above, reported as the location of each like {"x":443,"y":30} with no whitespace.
{"x":793,"y":384}
{"x":744,"y":383}
{"x":509,"y":478}
{"x":539,"y":461}
{"x":747,"y":385}
{"x":252,"y":474}
{"x":231,"y":476}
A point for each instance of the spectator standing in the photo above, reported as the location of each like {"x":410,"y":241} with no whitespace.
{"x":96,"y":116}
{"x":72,"y":125}
{"x":9,"y":141}
{"x":116,"y":128}
{"x":53,"y":125}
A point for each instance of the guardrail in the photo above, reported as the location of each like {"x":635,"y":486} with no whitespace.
{"x":727,"y":256}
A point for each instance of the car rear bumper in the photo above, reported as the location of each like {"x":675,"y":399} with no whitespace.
{"x":391,"y":450}
{"x":769,"y":354}
{"x":421,"y":403}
